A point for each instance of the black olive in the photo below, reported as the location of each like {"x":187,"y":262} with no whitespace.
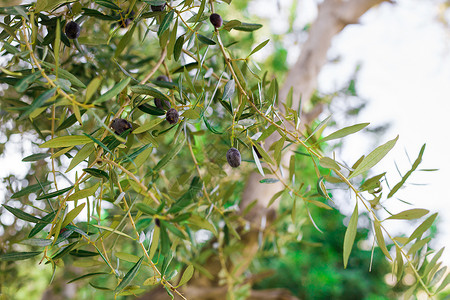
{"x":216,"y":20}
{"x":234,"y":157}
{"x":157,"y":222}
{"x":158,"y":7}
{"x":72,"y":30}
{"x":120,"y":125}
{"x":159,"y":104}
{"x":163,"y":78}
{"x":172,"y":116}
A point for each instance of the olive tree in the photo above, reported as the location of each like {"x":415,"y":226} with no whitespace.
{"x":161,"y":148}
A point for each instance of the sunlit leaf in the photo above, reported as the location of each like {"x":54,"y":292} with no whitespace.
{"x":373,"y":158}
{"x":344,"y":132}
{"x":12,"y":256}
{"x":350,"y":235}
{"x":410,"y":214}
{"x":187,"y":275}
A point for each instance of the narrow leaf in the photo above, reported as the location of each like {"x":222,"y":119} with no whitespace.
{"x":344,"y":132}
{"x":55,"y":193}
{"x":380,"y":239}
{"x":129,"y":276}
{"x":66,"y":141}
{"x":187,"y":275}
{"x":114,"y":91}
{"x":373,"y":158}
{"x":422,"y":227}
{"x":12,"y":256}
{"x":259,"y":47}
{"x":72,"y":215}
{"x":19,"y":213}
{"x":350,"y":235}
{"x":410,"y":214}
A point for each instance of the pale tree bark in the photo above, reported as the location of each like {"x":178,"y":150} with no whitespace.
{"x":333,"y":16}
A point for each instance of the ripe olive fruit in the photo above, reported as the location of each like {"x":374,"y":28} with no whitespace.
{"x":159,"y":104}
{"x":72,"y":30}
{"x":216,"y":20}
{"x":234,"y":157}
{"x":172,"y":116}
{"x":163,"y":78}
{"x":158,"y":7}
{"x":120,"y":126}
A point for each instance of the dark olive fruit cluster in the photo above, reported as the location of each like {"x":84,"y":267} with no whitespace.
{"x":234,"y":157}
{"x":216,"y":20}
{"x":120,"y":126}
{"x":159,"y":102}
{"x":72,"y":30}
{"x":172,"y":116}
{"x":158,"y":7}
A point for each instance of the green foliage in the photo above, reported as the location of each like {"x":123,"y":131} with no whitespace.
{"x":137,"y":199}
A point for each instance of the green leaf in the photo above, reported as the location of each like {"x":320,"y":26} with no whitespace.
{"x":177,"y":49}
{"x":39,"y":226}
{"x":187,"y":275}
{"x":108,"y":4}
{"x":66,"y":141}
{"x":422,"y":227}
{"x":205,"y":40}
{"x":25,"y":82}
{"x":165,"y":22}
{"x":410,"y":214}
{"x":259,"y":47}
{"x":127,"y":257}
{"x":155,"y":242}
{"x":444,"y":284}
{"x":84,"y":152}
{"x":228,"y":90}
{"x":38,"y":102}
{"x":63,"y":74}
{"x":36,"y":157}
{"x":152,"y":280}
{"x":37,"y":242}
{"x":19,"y":213}
{"x":64,"y":251}
{"x":129,"y":276}
{"x":405,"y":177}
{"x":210,"y":127}
{"x":344,"y":132}
{"x":12,"y":256}
{"x":54,"y":194}
{"x":34,"y":188}
{"x":145,"y":208}
{"x":114,"y":91}
{"x":113,"y":230}
{"x":87,"y":276}
{"x":71,"y":215}
{"x":124,"y":41}
{"x":147,"y":90}
{"x":69,"y":121}
{"x":247,"y":27}
{"x":231,"y":24}
{"x":97,"y":173}
{"x":329,"y":163}
{"x":81,"y":194}
{"x":269,"y":180}
{"x":373,"y":158}
{"x":275,"y":197}
{"x":169,"y":156}
{"x":380,"y":239}
{"x":83,"y":253}
{"x":151,"y":110}
{"x":258,"y":163}
{"x":350,"y":235}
